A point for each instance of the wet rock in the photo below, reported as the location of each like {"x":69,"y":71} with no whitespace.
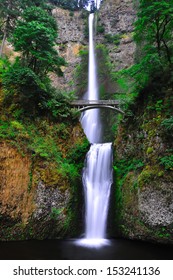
{"x":156,"y":207}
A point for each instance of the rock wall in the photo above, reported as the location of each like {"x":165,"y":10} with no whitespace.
{"x":117,"y":17}
{"x":15,"y":201}
{"x":35,"y":199}
{"x":70,"y":41}
{"x":144,"y":190}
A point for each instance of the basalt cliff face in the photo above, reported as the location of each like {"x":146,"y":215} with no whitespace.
{"x":117,"y":18}
{"x":144,"y":190}
{"x":35,"y":195}
{"x":69,"y":43}
{"x":114,"y":29}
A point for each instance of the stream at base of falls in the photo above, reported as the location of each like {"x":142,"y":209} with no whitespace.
{"x":119,"y":249}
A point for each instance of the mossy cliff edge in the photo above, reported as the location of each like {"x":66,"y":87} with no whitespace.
{"x":40,"y":186}
{"x":144,"y":169}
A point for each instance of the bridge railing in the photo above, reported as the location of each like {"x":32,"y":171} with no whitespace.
{"x":94,"y":102}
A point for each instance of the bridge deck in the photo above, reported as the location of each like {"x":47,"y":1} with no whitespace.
{"x":94,"y":102}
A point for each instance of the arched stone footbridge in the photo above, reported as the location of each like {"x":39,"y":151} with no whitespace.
{"x":83,"y":105}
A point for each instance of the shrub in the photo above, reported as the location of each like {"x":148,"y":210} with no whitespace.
{"x":114,"y":39}
{"x":167,"y":162}
{"x":100,"y":29}
{"x":167,"y":124}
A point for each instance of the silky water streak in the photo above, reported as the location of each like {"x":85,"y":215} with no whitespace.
{"x":97,"y":181}
{"x":97,"y":173}
{"x":91,"y":119}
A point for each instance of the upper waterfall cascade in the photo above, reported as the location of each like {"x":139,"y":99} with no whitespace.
{"x":91,"y":3}
{"x":91,"y":119}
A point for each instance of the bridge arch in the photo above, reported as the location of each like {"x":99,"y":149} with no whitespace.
{"x":85,"y":108}
{"x":83,"y":105}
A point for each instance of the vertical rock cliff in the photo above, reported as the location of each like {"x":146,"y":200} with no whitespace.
{"x":117,"y":18}
{"x":36,"y":193}
{"x":144,"y":189}
{"x":70,"y":41}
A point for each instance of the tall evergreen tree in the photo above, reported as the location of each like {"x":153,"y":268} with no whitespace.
{"x":27,"y":80}
{"x":10,"y":11}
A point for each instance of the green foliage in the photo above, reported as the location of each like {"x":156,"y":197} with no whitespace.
{"x":138,"y":76}
{"x":69,"y":170}
{"x":43,"y":140}
{"x":167,"y":162}
{"x":81,"y":72}
{"x":7,"y":130}
{"x":104,"y":70}
{"x":154,"y":28}
{"x":25,"y":89}
{"x":86,"y":28}
{"x":4,"y":65}
{"x":59,"y":107}
{"x":167,"y":124}
{"x":150,"y":150}
{"x":55,"y":212}
{"x":71,"y":14}
{"x":11,"y":11}
{"x":35,"y":37}
{"x":114,"y":39}
{"x":27,"y":93}
{"x":45,"y":147}
{"x":154,"y":37}
{"x":17,"y":125}
{"x":124,"y":166}
{"x":78,"y":152}
{"x":100,"y":29}
{"x":159,"y":105}
{"x":26,"y":82}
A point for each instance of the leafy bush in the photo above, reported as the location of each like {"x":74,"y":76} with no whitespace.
{"x":68,"y":170}
{"x":114,"y":39}
{"x":58,"y":105}
{"x":167,"y":162}
{"x":125,"y":166}
{"x":24,"y":88}
{"x":7,"y":131}
{"x":167,"y":124}
{"x":100,"y":29}
{"x":78,"y":152}
{"x":28,"y":94}
{"x":71,"y":14}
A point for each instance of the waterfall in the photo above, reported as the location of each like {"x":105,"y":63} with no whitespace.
{"x":97,"y":174}
{"x":97,"y":180}
{"x":90,"y":119}
{"x":90,"y":3}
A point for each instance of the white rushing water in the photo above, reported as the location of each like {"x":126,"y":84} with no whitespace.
{"x":97,"y":180}
{"x":97,"y":4}
{"x":91,"y":119}
{"x":97,"y":174}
